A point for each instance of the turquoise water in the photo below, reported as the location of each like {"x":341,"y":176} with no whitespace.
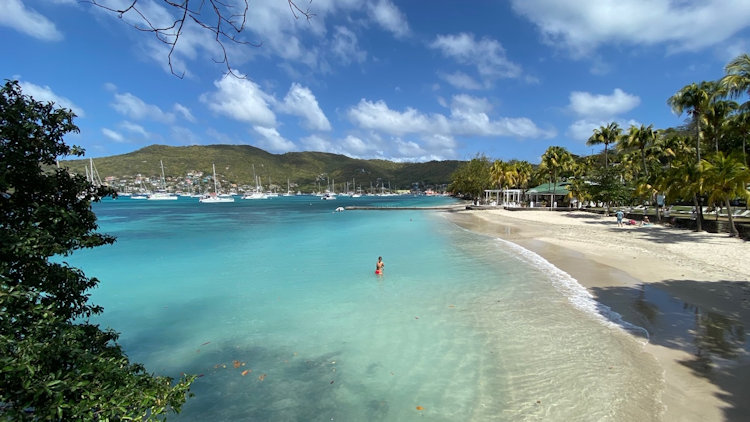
{"x":461,"y":327}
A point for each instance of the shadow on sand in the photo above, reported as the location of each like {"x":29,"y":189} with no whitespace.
{"x":713,"y":334}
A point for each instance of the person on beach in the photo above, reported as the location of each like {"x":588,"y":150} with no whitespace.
{"x":645,"y":221}
{"x":619,"y":216}
{"x":379,"y":266}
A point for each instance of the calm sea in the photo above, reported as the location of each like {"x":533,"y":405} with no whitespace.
{"x":275,"y":304}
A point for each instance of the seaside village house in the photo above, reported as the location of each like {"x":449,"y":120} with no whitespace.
{"x":536,"y":197}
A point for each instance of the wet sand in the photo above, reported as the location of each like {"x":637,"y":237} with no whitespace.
{"x":690,"y":291}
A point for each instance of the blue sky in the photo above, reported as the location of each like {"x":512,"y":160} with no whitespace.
{"x":397,"y":80}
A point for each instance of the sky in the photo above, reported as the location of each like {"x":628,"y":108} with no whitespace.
{"x":401,"y":80}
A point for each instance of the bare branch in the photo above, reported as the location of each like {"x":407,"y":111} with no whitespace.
{"x":226,"y":22}
{"x":295,"y":9}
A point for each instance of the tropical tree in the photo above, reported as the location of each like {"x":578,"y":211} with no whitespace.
{"x":502,"y":174}
{"x":684,"y":180}
{"x":555,"y":161}
{"x":605,"y":135}
{"x":737,"y":79}
{"x":740,"y":124}
{"x":727,"y":178}
{"x":717,"y":120}
{"x":524,"y":170}
{"x":695,"y":100}
{"x":640,"y":139}
{"x":579,"y":187}
{"x":607,"y":187}
{"x":54,"y":364}
{"x":471,"y":178}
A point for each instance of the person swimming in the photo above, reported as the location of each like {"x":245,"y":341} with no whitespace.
{"x":379,"y":266}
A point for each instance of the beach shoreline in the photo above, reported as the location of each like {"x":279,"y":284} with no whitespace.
{"x":689,"y":290}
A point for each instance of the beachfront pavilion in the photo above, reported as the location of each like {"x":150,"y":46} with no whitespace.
{"x":511,"y":197}
{"x":542,"y":193}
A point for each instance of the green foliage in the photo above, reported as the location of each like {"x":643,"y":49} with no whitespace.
{"x":53,"y":364}
{"x":606,"y":135}
{"x":556,"y":162}
{"x":607,"y":187}
{"x":471,"y":178}
{"x":727,"y":178}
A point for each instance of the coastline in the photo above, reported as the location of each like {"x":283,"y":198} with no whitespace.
{"x":689,"y":290}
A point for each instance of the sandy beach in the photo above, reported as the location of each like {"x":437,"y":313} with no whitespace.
{"x":690,"y":291}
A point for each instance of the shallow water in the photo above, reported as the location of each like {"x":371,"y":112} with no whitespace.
{"x":460,"y":327}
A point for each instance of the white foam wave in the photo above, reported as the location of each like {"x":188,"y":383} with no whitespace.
{"x":581,"y":298}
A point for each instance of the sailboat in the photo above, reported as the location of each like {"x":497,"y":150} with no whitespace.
{"x":330,"y":193}
{"x":214,"y":198}
{"x":257,"y":193}
{"x":288,"y":191}
{"x":162,"y":194}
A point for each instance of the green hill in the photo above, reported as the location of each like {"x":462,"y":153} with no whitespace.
{"x":235,"y":164}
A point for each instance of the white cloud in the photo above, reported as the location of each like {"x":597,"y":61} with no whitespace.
{"x":409,"y":148}
{"x":129,"y":105}
{"x":184,"y":112}
{"x":378,"y":116}
{"x":602,"y":106}
{"x":344,"y":46}
{"x":582,"y":26}
{"x":45,"y":94}
{"x":300,"y":101}
{"x":272,"y":140}
{"x":596,"y":110}
{"x":134,"y":128}
{"x":283,"y":34}
{"x":316,"y":143}
{"x":487,"y":55}
{"x":28,"y":21}
{"x":423,"y":148}
{"x":241,"y":99}
{"x":441,"y":143}
{"x":389,"y":17}
{"x":351,"y":146}
{"x":115,"y":136}
{"x":469,"y":116}
{"x":460,"y":80}
{"x":355,"y":146}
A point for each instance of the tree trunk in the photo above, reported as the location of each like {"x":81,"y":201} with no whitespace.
{"x":698,"y":144}
{"x":732,"y":229}
{"x":698,"y":214}
{"x":605,"y":155}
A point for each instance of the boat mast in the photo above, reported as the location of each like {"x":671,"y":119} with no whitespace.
{"x":163,"y":180}
{"x":216,"y":189}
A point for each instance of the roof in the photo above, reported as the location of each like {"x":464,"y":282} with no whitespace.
{"x":561,"y":188}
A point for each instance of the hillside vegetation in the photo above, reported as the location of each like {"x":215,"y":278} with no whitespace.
{"x":235,"y":163}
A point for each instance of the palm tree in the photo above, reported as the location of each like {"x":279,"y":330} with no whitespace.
{"x":741,"y":123}
{"x":501,"y":174}
{"x":694,"y":99}
{"x":716,"y":119}
{"x":579,"y":188}
{"x":555,"y":160}
{"x":727,"y":178}
{"x":684,"y":179}
{"x":640,"y":139}
{"x":606,"y":135}
{"x":737,"y":79}
{"x":523,"y":174}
